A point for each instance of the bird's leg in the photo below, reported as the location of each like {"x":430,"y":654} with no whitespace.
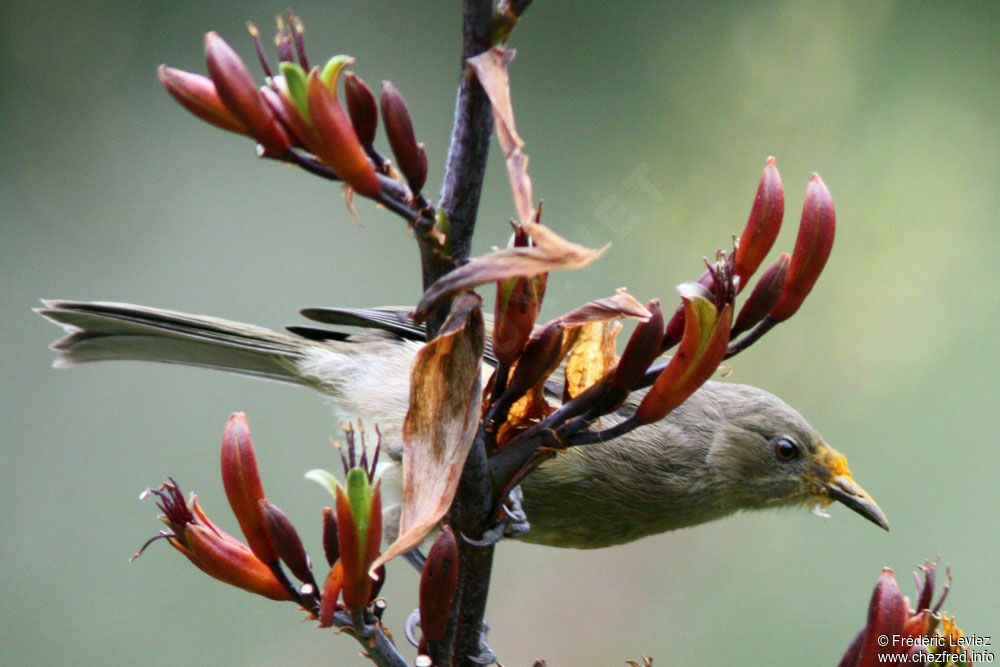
{"x":416,"y":558}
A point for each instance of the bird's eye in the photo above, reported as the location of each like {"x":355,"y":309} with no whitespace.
{"x":785,"y":449}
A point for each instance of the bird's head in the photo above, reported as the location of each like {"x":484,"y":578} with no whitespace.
{"x":769,"y":456}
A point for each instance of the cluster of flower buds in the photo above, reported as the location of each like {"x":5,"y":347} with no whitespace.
{"x":785,"y":284}
{"x":297,"y":109}
{"x":895,"y":633}
{"x":707,"y":326}
{"x":352,"y":530}
{"x":270,"y":538}
{"x":351,"y":533}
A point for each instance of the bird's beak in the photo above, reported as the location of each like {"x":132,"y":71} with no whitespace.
{"x":848,"y":492}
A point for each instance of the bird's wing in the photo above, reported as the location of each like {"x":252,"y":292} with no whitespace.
{"x":393,"y":319}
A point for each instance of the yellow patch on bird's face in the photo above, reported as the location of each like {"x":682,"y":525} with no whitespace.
{"x":828,"y":464}
{"x":834,"y":462}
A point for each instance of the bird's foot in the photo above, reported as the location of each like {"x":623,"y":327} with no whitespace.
{"x":486,"y":656}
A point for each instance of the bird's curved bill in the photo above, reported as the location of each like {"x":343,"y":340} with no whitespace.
{"x":845,"y":490}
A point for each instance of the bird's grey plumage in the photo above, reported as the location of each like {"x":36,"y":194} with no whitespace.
{"x":711,"y":456}
{"x":679,"y":470}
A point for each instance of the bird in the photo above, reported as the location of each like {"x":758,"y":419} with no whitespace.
{"x":728,"y":448}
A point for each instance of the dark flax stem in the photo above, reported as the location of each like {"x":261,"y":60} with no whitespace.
{"x":465,"y":166}
{"x":465,"y":169}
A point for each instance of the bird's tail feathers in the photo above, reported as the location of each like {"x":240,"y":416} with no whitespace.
{"x":103,"y":331}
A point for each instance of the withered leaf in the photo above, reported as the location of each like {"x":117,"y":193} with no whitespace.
{"x":441,"y":423}
{"x":591,"y":357}
{"x":550,"y":252}
{"x":491,"y":70}
{"x":622,"y":304}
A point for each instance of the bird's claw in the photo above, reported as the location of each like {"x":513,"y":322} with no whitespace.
{"x":513,"y":524}
{"x":410,"y":629}
{"x":516,"y":523}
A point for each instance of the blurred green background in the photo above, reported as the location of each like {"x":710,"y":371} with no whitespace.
{"x":647,"y":125}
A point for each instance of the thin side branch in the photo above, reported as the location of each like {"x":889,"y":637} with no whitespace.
{"x":378,"y":647}
{"x":393,"y":196}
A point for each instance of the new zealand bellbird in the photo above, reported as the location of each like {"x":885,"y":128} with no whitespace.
{"x":729,"y":447}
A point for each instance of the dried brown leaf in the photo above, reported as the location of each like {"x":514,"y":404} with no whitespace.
{"x":591,"y":357}
{"x":551,"y":252}
{"x":491,"y":70}
{"x":622,"y":304}
{"x":440,"y":426}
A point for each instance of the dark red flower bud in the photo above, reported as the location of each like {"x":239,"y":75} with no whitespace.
{"x":812,"y":249}
{"x":331,"y":544}
{"x":361,"y":108}
{"x":240,"y":95}
{"x":765,"y":294}
{"x":541,"y":356}
{"x":244,"y":490}
{"x":399,"y":129}
{"x":887,"y":612}
{"x":642,"y":348}
{"x":763,"y":224}
{"x":438,"y":584}
{"x":517,"y":304}
{"x":286,"y":541}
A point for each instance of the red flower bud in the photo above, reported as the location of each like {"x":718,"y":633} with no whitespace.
{"x":331,"y":543}
{"x":702,"y":348}
{"x":763,"y":224}
{"x":338,"y":144}
{"x":240,"y":95}
{"x":331,"y":592}
{"x":812,"y":249}
{"x":887,"y":612}
{"x":244,"y":490}
{"x":198,"y":94}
